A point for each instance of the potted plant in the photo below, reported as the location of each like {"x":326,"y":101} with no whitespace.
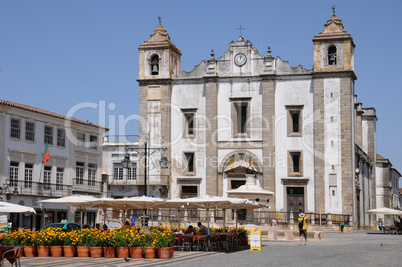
{"x":121,"y":241}
{"x":42,"y":240}
{"x":70,"y":243}
{"x":95,"y":243}
{"x":29,"y":243}
{"x":242,"y":235}
{"x":135,"y":245}
{"x":162,"y":241}
{"x":83,"y":241}
{"x":147,"y":240}
{"x":55,"y":237}
{"x":107,"y":241}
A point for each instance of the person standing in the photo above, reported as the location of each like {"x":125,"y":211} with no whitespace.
{"x":303,"y":228}
{"x":273,"y":223}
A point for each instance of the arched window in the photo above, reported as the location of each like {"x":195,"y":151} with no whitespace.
{"x":332,"y":55}
{"x":154,"y":65}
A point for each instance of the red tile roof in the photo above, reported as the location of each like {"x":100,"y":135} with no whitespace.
{"x":48,"y":113}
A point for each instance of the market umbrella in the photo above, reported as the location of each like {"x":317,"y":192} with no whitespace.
{"x":130,"y":203}
{"x":79,"y":201}
{"x":207,"y":202}
{"x":386,"y":211}
{"x":6,"y":207}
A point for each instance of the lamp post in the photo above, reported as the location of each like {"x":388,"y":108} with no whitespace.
{"x":147,"y":151}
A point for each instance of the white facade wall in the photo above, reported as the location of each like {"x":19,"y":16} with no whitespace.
{"x":185,"y":97}
{"x":294,"y":93}
{"x":332,"y":145}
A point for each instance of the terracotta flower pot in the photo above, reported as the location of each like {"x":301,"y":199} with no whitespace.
{"x":164,"y":253}
{"x":69,"y":251}
{"x":150,"y":252}
{"x":136,"y":252}
{"x":56,"y":251}
{"x":30,"y":251}
{"x":43,"y":251}
{"x":83,"y":251}
{"x":96,"y":252}
{"x":171,"y":251}
{"x":122,"y":252}
{"x":244,"y":240}
{"x":109,"y":252}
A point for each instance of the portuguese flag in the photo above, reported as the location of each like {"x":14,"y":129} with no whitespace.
{"x":46,"y":155}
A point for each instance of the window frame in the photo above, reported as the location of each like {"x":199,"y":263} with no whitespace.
{"x":118,"y":172}
{"x":238,"y":104}
{"x":47,"y":177}
{"x":28,"y":175}
{"x":81,"y":141}
{"x":291,"y":163}
{"x":93,"y":144}
{"x":14,"y":171}
{"x":30,"y":132}
{"x":59,"y":178}
{"x":15,"y":132}
{"x":92,"y":167}
{"x":132,"y":172}
{"x":187,"y":113}
{"x":79,"y":172}
{"x":61,"y":138}
{"x":291,"y":111}
{"x":186,"y":169}
{"x":46,"y":136}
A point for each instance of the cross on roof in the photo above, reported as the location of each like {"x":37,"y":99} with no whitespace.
{"x":160,"y":19}
{"x":240,"y":28}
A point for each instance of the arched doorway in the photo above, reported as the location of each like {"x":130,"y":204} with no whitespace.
{"x":235,"y":170}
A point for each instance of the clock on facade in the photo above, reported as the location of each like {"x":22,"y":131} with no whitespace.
{"x":240,"y":59}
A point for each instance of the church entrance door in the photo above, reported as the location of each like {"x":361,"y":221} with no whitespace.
{"x":295,"y":200}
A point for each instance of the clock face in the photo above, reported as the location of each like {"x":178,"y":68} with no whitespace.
{"x":240,"y":59}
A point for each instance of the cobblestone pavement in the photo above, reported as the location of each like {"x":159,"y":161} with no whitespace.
{"x":360,"y":248}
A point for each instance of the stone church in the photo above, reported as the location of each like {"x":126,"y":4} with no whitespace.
{"x":251,"y":125}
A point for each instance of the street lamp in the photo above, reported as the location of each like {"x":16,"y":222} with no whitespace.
{"x":146,"y":152}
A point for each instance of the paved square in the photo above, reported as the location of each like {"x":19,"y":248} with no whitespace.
{"x":360,"y":248}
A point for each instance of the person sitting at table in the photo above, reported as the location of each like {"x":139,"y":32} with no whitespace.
{"x":105,"y":227}
{"x":190,"y":230}
{"x":97,"y":226}
{"x":204,"y":230}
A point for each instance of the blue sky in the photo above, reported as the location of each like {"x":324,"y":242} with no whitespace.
{"x":57,"y":54}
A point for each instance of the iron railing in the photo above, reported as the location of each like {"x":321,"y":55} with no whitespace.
{"x":177,"y":217}
{"x":138,"y":180}
{"x":86,"y":186}
{"x":26,"y":187}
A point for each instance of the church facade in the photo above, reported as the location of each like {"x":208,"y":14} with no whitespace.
{"x":298,"y":134}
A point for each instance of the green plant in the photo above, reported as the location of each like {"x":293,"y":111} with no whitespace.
{"x":83,"y":237}
{"x":162,"y":239}
{"x":121,"y":237}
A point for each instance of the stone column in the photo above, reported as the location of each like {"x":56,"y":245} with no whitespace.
{"x":268,"y":133}
{"x":211,"y":111}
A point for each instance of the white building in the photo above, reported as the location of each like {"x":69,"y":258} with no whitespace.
{"x":75,"y":165}
{"x":300,"y":132}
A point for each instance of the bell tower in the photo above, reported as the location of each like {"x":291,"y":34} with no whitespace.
{"x":159,"y":63}
{"x":333,"y":48}
{"x":159,"y":58}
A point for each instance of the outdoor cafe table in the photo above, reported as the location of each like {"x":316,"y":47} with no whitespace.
{"x":2,"y":250}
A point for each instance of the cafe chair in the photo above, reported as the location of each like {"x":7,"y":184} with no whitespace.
{"x":13,"y":256}
{"x":187,"y":241}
